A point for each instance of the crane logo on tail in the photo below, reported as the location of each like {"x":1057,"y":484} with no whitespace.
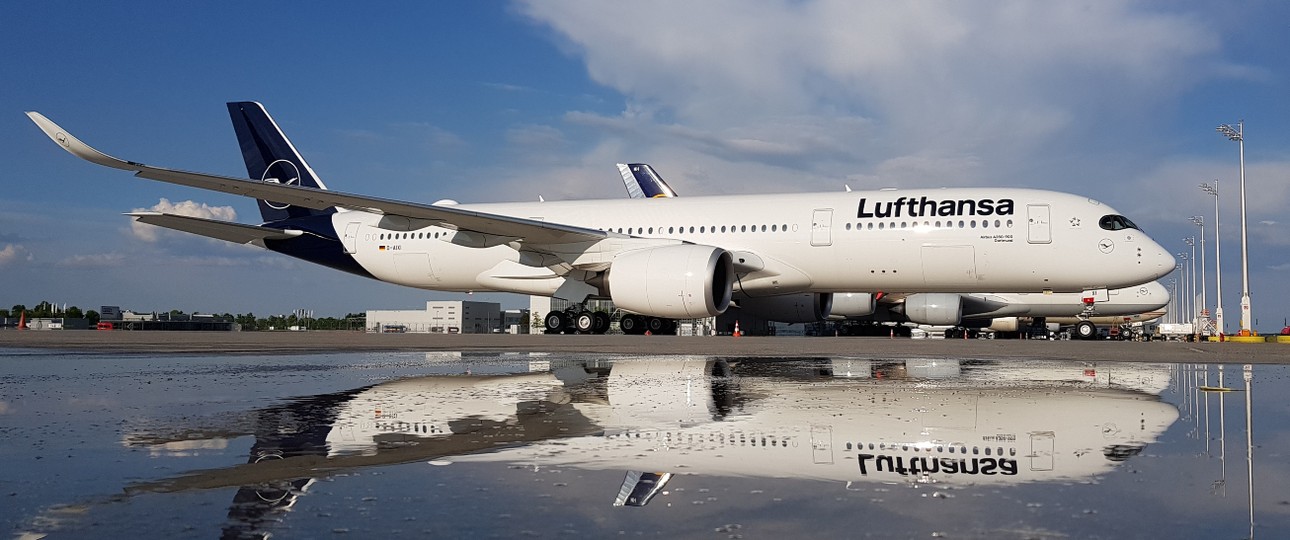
{"x":274,"y":174}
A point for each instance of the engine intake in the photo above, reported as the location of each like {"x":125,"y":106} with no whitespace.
{"x":679,"y":282}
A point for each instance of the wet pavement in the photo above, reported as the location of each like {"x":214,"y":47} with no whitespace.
{"x":564,"y":444}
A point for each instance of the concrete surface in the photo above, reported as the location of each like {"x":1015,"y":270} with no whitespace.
{"x":125,"y":342}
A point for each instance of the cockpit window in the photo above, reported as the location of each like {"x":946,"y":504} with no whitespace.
{"x":1113,"y":222}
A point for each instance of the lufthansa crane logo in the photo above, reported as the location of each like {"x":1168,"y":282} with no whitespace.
{"x":275,"y":173}
{"x":1106,"y":245}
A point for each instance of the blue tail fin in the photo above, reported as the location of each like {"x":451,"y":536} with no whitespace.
{"x":270,"y":157}
{"x":643,"y":182}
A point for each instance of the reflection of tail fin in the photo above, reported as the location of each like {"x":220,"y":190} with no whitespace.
{"x":270,"y":157}
{"x":639,"y":487}
{"x":643,"y":182}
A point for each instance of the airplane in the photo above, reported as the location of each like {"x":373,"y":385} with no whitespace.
{"x":1002,"y":312}
{"x":676,"y":258}
{"x":846,"y":422}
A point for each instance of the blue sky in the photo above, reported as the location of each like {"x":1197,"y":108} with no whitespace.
{"x":492,"y":101}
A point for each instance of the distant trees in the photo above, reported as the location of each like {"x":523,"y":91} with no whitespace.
{"x":248,"y":321}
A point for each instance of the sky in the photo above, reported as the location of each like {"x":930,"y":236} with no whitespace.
{"x":509,"y":101}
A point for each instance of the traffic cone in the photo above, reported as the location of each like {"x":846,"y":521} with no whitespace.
{"x":737,"y":332}
{"x":22,"y":321}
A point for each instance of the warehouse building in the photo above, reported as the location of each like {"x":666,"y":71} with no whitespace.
{"x":440,"y":317}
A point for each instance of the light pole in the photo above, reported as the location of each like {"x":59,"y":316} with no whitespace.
{"x":1204,"y":300}
{"x":1218,"y":258}
{"x":1184,"y":307}
{"x":1238,"y":134}
{"x":1173,"y":298}
{"x":1195,"y":311}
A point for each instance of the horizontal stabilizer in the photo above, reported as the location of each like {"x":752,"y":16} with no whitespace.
{"x":223,"y":230}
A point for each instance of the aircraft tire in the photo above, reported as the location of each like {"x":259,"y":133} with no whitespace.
{"x":630,"y":324}
{"x":556,"y":322}
{"x":655,"y":325}
{"x":601,"y":322}
{"x":1085,"y":330}
{"x":584,"y":322}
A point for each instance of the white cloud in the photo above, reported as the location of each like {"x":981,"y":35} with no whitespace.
{"x":969,"y":91}
{"x":14,"y":252}
{"x":150,"y":233}
{"x":97,"y":260}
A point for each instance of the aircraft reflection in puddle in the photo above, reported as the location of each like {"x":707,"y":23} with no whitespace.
{"x":835,"y":420}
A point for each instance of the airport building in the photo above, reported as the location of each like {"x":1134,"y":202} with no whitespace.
{"x":115,"y":318}
{"x":443,"y":317}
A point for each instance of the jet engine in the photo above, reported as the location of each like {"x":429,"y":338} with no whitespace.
{"x":789,"y":308}
{"x":938,"y":309}
{"x":678,"y":282}
{"x":1005,"y":324}
{"x":852,"y":305}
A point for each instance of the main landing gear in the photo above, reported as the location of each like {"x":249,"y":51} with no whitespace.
{"x":639,"y":324}
{"x":577,"y":320}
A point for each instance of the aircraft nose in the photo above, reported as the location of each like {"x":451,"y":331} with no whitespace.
{"x":1157,"y":260}
{"x":1156,"y":294}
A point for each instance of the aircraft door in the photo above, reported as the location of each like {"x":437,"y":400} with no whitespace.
{"x":1039,"y":223}
{"x":821,"y":225}
{"x":822,"y":444}
{"x":351,"y":237}
{"x":1042,"y":444}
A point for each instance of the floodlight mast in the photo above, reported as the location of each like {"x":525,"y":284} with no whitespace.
{"x":1218,"y":259}
{"x":1204,"y":297}
{"x":1194,"y":314}
{"x":1238,"y":134}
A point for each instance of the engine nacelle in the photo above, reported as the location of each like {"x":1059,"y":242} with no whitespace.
{"x":677,"y":282}
{"x":1017,"y":324}
{"x":789,"y":308}
{"x":937,"y":309}
{"x":1005,"y":324}
{"x":853,"y":305}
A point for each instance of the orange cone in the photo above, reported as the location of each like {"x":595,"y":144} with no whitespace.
{"x":22,"y":321}
{"x":737,"y":332}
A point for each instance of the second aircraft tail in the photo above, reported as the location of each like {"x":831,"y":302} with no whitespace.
{"x":270,"y":157}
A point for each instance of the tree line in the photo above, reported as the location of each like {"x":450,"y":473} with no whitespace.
{"x":249,"y":321}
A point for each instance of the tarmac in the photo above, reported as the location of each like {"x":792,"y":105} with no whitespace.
{"x":313,"y":342}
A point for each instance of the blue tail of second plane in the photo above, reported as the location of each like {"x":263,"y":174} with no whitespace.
{"x":270,"y":157}
{"x":643,"y":182}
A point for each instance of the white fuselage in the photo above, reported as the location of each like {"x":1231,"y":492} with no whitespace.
{"x":811,"y":242}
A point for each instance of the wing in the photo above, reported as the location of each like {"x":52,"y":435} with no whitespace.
{"x":527,"y":230}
